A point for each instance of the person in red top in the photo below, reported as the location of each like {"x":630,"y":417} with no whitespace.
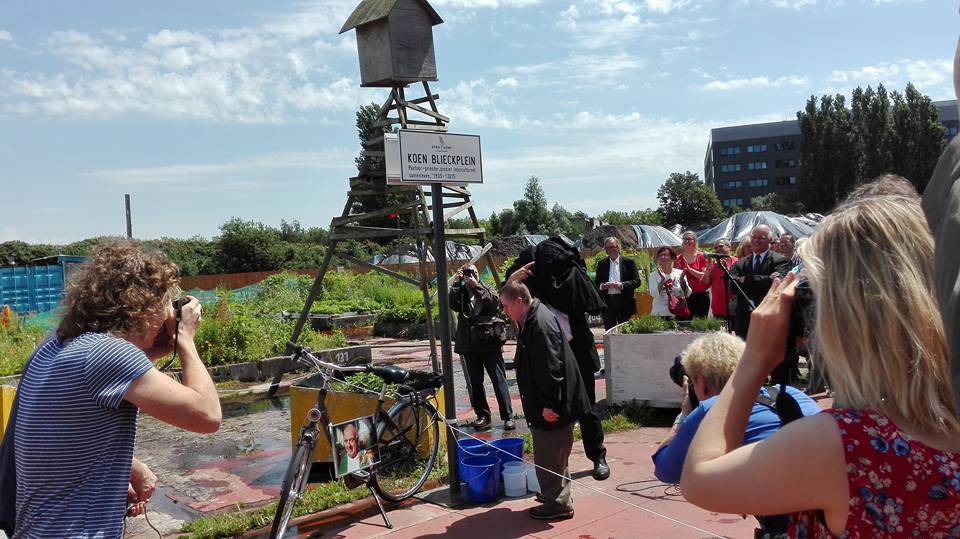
{"x":692,"y":262}
{"x":885,"y":461}
{"x":720,"y":293}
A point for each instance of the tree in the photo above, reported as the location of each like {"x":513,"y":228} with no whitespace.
{"x":880,"y":134}
{"x":248,"y":246}
{"x":684,"y":199}
{"x":532,"y":210}
{"x":768,"y":202}
{"x":919,"y":136}
{"x":504,"y":224}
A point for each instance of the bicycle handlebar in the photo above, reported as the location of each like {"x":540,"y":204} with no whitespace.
{"x":300,"y":351}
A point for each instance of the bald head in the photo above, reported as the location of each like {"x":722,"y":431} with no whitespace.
{"x":760,"y":238}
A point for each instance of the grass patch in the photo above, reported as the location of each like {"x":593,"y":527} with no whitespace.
{"x":708,"y":325}
{"x":17,"y":342}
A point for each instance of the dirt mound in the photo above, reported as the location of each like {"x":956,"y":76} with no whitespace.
{"x":508,"y":246}
{"x":625,"y":233}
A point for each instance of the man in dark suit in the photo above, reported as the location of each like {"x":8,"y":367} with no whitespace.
{"x":617,"y":278}
{"x":756,"y":273}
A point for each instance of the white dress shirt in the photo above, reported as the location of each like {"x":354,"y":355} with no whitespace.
{"x":614,"y":276}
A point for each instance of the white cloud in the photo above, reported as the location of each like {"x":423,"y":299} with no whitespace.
{"x":579,"y":71}
{"x":257,"y":169}
{"x":5,"y":36}
{"x":508,"y":82}
{"x":665,"y":6}
{"x":755,"y":82}
{"x":274,"y":72}
{"x":928,"y":75}
{"x":494,"y":4}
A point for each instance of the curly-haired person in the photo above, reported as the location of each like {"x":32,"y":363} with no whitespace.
{"x":82,"y":390}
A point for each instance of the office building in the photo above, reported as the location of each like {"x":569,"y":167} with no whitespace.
{"x":747,"y":161}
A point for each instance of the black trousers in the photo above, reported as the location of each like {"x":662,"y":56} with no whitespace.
{"x":699,"y":304}
{"x":615,"y":312}
{"x":591,"y":430}
{"x":492,"y":362}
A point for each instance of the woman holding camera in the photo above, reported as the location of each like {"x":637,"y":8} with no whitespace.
{"x":885,"y":461}
{"x":666,"y":281}
{"x":82,"y":390}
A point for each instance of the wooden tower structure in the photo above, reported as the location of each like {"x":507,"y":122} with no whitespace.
{"x":395,"y":44}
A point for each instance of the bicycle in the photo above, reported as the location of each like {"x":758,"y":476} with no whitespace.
{"x":399,"y":432}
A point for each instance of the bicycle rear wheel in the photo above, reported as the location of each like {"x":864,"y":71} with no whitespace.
{"x":292,"y":488}
{"x":401,"y":471}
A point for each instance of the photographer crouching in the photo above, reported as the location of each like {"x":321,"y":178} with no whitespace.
{"x":702,"y":370}
{"x":78,"y":402}
{"x":479,"y":339}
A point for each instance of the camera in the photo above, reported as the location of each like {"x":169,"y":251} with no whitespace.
{"x":469,"y":273}
{"x":178,"y":304}
{"x":801,"y":312}
{"x":677,"y":374}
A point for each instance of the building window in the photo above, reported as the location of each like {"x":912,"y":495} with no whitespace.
{"x":733,"y":150}
{"x":757,"y":165}
{"x":756,"y":148}
{"x":735,"y":184}
{"x":730,"y":168}
{"x":786,"y":163}
{"x":781,"y":146}
{"x":738,"y":202}
{"x":760,"y":182}
{"x":787,"y":180}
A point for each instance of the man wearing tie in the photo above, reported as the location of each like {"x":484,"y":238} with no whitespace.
{"x":756,"y":273}
{"x":617,"y":278}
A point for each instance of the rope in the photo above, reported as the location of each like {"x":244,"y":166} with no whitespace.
{"x":585,"y":485}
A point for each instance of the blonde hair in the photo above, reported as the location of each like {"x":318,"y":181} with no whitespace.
{"x":870,"y":266}
{"x":713,"y":356}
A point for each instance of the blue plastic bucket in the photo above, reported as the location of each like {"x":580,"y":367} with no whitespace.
{"x":511,"y":450}
{"x":482,"y":476}
{"x":472,"y":447}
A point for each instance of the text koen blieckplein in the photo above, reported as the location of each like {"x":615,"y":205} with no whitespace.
{"x":439,"y":166}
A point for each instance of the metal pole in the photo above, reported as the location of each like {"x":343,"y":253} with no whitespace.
{"x":126,"y":199}
{"x":446,"y":354}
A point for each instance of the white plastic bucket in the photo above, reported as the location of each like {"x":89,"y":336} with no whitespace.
{"x":532,"y":484}
{"x":514,"y":481}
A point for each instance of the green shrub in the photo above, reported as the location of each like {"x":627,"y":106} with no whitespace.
{"x":648,"y":324}
{"x":17,"y":342}
{"x":404,"y":313}
{"x":708,"y":325}
{"x":642,"y":258}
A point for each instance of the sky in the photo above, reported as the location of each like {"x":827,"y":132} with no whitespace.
{"x":204,"y":111}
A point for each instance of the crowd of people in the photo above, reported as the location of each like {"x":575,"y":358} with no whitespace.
{"x":884,"y":461}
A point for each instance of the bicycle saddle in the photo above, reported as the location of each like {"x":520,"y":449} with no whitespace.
{"x":391,"y":374}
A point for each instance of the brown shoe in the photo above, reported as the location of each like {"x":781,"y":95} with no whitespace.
{"x":546,"y":512}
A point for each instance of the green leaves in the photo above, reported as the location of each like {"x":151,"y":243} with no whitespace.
{"x":686,"y":200}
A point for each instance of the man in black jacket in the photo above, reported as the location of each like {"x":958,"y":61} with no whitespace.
{"x":756,"y":273}
{"x":617,"y":278}
{"x":552,"y":394}
{"x":476,"y":308}
{"x":555,"y":274}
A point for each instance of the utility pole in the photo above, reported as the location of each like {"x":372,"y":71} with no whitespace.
{"x":126,"y":199}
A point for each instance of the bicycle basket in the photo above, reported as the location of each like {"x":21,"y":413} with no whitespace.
{"x":420,"y":380}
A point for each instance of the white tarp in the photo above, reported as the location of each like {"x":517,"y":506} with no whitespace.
{"x":407,"y":254}
{"x":652,"y":237}
{"x":737,"y":228}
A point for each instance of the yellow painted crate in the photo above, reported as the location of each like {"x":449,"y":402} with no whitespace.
{"x":6,"y":404}
{"x":342,"y":407}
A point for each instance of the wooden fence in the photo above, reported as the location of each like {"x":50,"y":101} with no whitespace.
{"x":232,"y":281}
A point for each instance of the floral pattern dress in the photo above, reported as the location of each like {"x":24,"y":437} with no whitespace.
{"x":899,"y":487}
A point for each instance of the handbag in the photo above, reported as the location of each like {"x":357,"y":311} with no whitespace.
{"x":491,"y":331}
{"x":678,"y":305}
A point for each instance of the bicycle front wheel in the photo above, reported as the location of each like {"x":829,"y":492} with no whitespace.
{"x":408,"y":440}
{"x":291,"y":489}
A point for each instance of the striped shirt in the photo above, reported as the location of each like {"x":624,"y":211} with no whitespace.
{"x":75,"y":436}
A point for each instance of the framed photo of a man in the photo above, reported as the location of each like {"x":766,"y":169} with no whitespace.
{"x":353,"y":446}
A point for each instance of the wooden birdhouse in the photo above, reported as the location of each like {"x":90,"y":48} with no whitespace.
{"x":395,"y":41}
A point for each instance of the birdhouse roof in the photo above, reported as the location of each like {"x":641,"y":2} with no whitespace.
{"x":374,"y":10}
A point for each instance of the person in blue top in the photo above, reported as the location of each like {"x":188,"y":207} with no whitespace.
{"x":709,"y":361}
